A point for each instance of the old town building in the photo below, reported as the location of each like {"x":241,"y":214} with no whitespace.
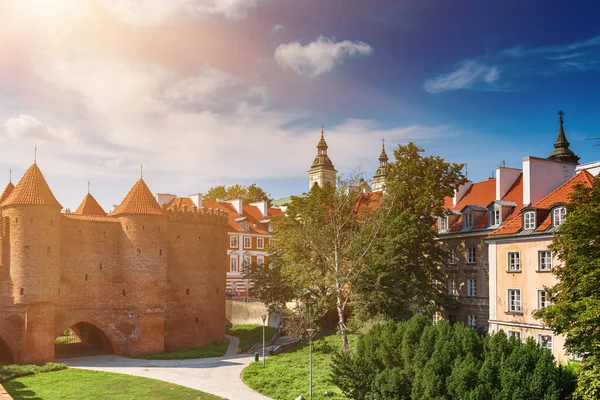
{"x":143,"y":279}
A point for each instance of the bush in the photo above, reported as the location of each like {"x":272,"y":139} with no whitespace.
{"x":8,"y":372}
{"x":417,"y":360}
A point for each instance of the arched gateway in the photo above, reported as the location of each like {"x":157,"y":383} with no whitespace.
{"x":81,"y":340}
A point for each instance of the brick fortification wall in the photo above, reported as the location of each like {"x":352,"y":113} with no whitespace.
{"x":149,"y":282}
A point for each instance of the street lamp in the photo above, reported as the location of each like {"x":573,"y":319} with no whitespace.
{"x":264,"y":318}
{"x":311,"y":332}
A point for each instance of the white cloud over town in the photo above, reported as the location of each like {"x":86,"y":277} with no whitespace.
{"x":320,"y":56}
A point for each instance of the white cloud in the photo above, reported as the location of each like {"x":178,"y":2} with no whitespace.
{"x":25,"y":126}
{"x":318,"y":57}
{"x":159,"y":12}
{"x":469,"y":74}
{"x":278,"y":28}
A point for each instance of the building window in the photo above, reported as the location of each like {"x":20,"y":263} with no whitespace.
{"x":271,"y":228}
{"x":271,"y":242}
{"x":260,"y":260}
{"x":247,"y":242}
{"x":545,"y":341}
{"x":443,"y":224}
{"x":558,"y":216}
{"x":452,"y":288}
{"x":469,"y":220}
{"x":514,"y":261}
{"x":515,"y":334}
{"x":472,"y":321}
{"x":514,"y":300}
{"x":543,"y":299}
{"x":233,"y":263}
{"x":233,"y":242}
{"x":260,"y":243}
{"x":437,"y":317}
{"x":452,"y":258}
{"x":160,"y":252}
{"x":471,"y":255}
{"x":529,"y":220}
{"x":472,"y":284}
{"x":544,"y":260}
{"x":245,"y":225}
{"x":496,"y":217}
{"x":247,"y":259}
{"x":187,"y":291}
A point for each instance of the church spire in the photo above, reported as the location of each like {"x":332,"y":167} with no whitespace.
{"x":322,"y":170}
{"x":381,"y":174}
{"x":561,"y":147}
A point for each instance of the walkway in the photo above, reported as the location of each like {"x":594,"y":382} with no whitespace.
{"x":218,"y":375}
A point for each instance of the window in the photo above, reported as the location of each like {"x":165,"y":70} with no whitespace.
{"x":544,"y":260}
{"x":514,"y":300}
{"x":271,"y":242}
{"x":247,"y":259}
{"x":233,"y":242}
{"x":515,"y":334}
{"x":443,"y":224}
{"x":496,"y":217}
{"x":260,"y":260}
{"x":437,"y":317}
{"x":260,"y":243}
{"x":471,"y":255}
{"x":558,"y":216}
{"x":452,"y":258}
{"x":233,"y":263}
{"x":543,"y":300}
{"x":245,"y":225}
{"x":271,"y":228}
{"x":514,"y":261}
{"x":545,"y":341}
{"x":469,"y":220}
{"x":452,"y":288}
{"x":472,"y":321}
{"x":472,"y":284}
{"x":529,"y":220}
{"x":247,"y":242}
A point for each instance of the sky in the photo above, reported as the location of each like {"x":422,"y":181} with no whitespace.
{"x":210,"y":92}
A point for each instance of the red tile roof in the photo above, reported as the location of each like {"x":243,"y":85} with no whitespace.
{"x":93,"y":218}
{"x":7,"y":190}
{"x":139,"y":200}
{"x":32,"y":189}
{"x":559,"y":195}
{"x":479,"y":194}
{"x":89,"y":206}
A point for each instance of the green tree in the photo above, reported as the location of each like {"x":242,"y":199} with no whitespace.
{"x":217,"y":192}
{"x":255,"y":194}
{"x":404,"y":272}
{"x":249,"y":194}
{"x":576,"y":297}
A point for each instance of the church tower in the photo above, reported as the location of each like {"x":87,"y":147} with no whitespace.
{"x":381,"y":174}
{"x":322,"y":171}
{"x":561,"y":147}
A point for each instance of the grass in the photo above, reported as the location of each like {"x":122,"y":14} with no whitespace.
{"x":286,"y":375}
{"x":8,"y":372}
{"x":213,"y":350}
{"x":76,"y":384}
{"x":250,"y":335}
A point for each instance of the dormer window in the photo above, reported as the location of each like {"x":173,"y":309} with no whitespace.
{"x":245,"y":225}
{"x":270,"y":227}
{"x":558,"y":216}
{"x":496,"y":217}
{"x":529,"y":220}
{"x":469,"y":220}
{"x":443,"y":224}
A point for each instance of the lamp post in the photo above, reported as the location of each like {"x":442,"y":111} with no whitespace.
{"x":311,"y":332}
{"x":264,"y":318}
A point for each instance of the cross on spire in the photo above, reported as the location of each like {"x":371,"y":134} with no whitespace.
{"x":561,"y":113}
{"x":141,"y":170}
{"x":88,"y":186}
{"x":35,"y":154}
{"x":322,"y":131}
{"x":10,"y":175}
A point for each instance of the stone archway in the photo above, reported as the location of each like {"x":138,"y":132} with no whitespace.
{"x":82,"y":339}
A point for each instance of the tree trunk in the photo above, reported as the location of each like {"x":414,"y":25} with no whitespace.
{"x":342,"y":321}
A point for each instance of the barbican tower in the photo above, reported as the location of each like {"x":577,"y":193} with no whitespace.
{"x":322,"y":171}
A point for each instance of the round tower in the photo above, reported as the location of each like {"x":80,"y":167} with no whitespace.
{"x":33,"y":216}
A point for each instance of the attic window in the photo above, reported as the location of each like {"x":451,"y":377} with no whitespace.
{"x":469,"y":220}
{"x":443,"y":224}
{"x":529,"y":220}
{"x":245,"y":225}
{"x":558,"y":216}
{"x":271,"y":228}
{"x":496,"y":217}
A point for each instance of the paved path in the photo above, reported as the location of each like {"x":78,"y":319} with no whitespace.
{"x":217,"y":375}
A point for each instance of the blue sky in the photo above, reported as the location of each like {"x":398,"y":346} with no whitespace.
{"x":207,"y":92}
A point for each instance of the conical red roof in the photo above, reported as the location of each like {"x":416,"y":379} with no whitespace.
{"x":32,"y":189}
{"x":139,"y":200}
{"x":7,"y":191}
{"x":89,"y":206}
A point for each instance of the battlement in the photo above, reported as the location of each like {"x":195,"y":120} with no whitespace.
{"x":203,"y":215}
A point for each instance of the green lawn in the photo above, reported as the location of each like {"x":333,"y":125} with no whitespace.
{"x":76,"y":384}
{"x":250,"y":335}
{"x":8,"y":372}
{"x":213,"y":350}
{"x":286,"y":374}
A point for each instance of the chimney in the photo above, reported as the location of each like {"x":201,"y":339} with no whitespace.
{"x":237,"y":204}
{"x":460,"y":192}
{"x":197,"y":199}
{"x":164,"y":198}
{"x":505,"y":177}
{"x":262,"y":207}
{"x":541,"y":176}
